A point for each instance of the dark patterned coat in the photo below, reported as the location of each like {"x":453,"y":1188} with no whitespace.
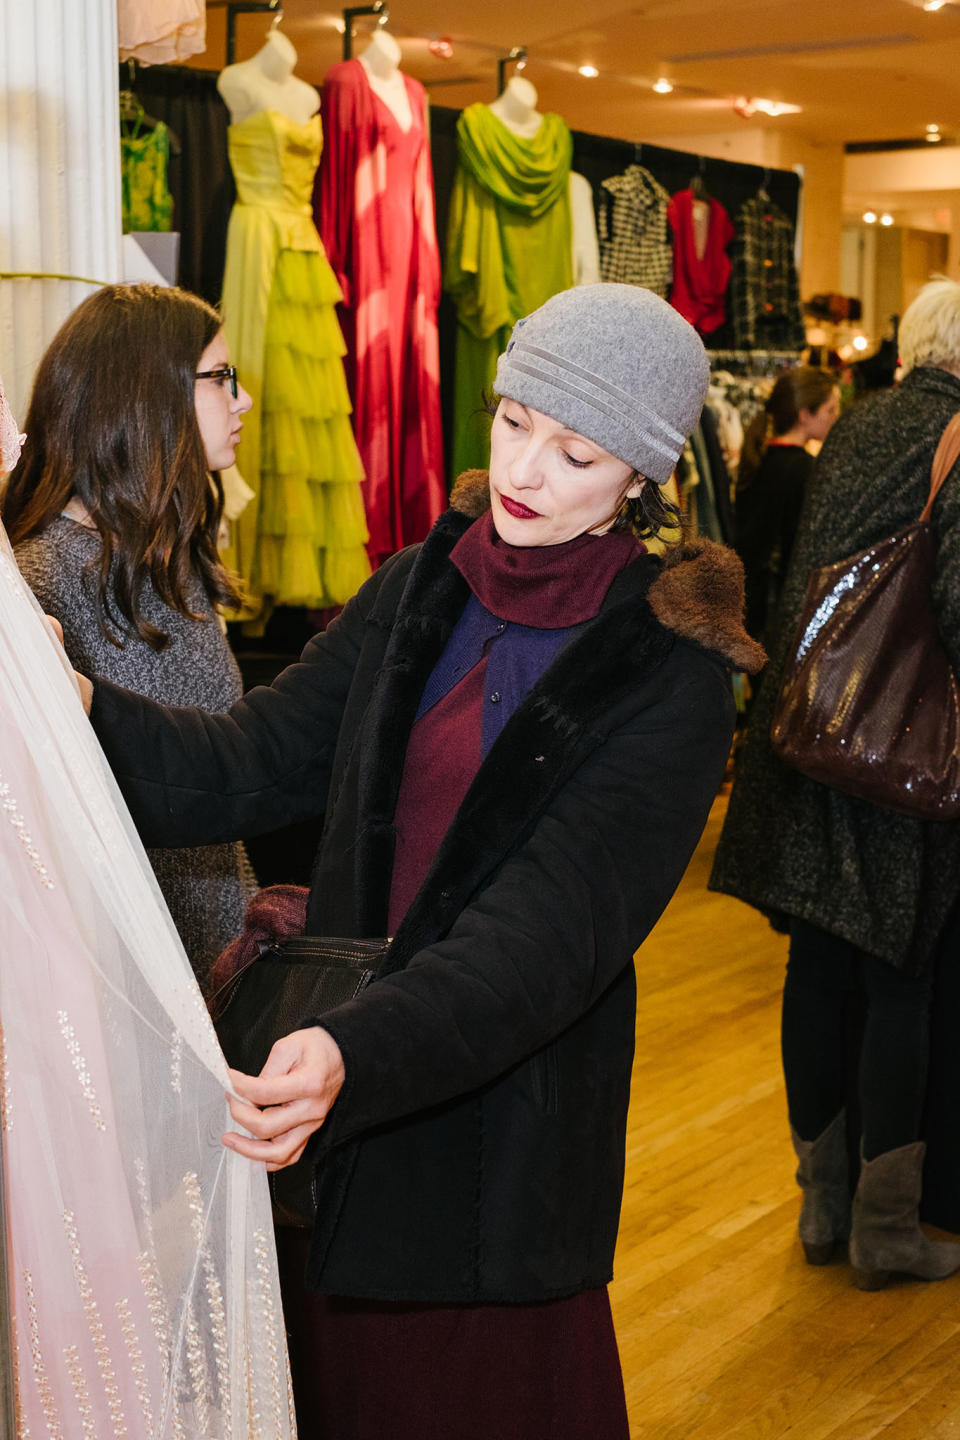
{"x":476,"y":1150}
{"x":791,"y":846}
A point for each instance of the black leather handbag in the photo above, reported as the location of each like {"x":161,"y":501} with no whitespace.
{"x":868,"y":701}
{"x":290,"y":983}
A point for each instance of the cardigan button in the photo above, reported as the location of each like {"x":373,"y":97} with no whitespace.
{"x":495,"y":698}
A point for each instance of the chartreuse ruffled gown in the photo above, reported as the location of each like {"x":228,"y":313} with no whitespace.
{"x":301,"y":540}
{"x":508,"y":250}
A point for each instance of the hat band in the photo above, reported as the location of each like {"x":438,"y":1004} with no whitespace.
{"x":596,"y":401}
{"x":625,"y":402}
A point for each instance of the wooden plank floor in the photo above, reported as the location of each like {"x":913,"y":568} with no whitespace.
{"x":724,"y":1330}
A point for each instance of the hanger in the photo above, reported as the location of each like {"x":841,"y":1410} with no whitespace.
{"x":697,"y":182}
{"x":134,"y":118}
{"x":762,"y":193}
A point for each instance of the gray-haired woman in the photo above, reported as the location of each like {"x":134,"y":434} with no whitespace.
{"x":869,"y":896}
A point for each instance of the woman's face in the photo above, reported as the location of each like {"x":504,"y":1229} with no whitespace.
{"x":818,"y":422}
{"x":549,"y":484}
{"x":218,"y":413}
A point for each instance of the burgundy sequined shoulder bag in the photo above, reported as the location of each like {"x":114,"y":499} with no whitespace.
{"x":868,"y":699}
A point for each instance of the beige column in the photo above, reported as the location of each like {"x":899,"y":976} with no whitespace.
{"x":59,"y":171}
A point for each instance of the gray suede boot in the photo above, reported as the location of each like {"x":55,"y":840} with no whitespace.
{"x":824,"y":1177}
{"x":886,"y":1238}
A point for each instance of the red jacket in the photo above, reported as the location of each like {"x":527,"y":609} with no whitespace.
{"x":699,"y":285}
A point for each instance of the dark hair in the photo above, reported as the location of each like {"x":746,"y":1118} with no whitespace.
{"x":112,"y":421}
{"x":803,"y":388}
{"x":649,"y":513}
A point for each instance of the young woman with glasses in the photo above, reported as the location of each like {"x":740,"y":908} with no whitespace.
{"x":114,"y":511}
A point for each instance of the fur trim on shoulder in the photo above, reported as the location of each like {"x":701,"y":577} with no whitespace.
{"x":699,"y":595}
{"x":471,"y":493}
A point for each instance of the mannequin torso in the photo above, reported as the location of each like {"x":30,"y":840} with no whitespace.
{"x":516,"y":106}
{"x":381,"y":62}
{"x":266,"y":82}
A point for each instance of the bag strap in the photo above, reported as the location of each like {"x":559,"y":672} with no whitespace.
{"x":943,"y":462}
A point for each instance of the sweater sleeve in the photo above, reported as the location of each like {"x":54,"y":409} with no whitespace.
{"x":558,"y":923}
{"x":193,"y":778}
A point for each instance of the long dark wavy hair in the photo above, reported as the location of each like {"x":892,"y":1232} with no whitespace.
{"x":112,"y":421}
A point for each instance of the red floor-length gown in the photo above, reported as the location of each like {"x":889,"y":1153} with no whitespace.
{"x":374,"y":208}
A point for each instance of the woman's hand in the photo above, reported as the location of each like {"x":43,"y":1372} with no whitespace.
{"x":288,"y":1100}
{"x":86,"y":687}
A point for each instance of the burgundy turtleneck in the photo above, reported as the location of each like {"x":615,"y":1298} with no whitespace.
{"x":524,"y":605}
{"x":544,"y":586}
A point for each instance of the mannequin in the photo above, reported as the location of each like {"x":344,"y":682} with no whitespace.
{"x":381,"y":61}
{"x":516,"y":106}
{"x":374,"y":207}
{"x":266,"y":82}
{"x":300,"y":539}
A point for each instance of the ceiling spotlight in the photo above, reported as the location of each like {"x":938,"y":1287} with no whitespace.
{"x":663,"y":86}
{"x":746,"y":107}
{"x":860,"y":342}
{"x":934,"y":4}
{"x":589,"y":72}
{"x":886,"y":219}
{"x":869,"y":217}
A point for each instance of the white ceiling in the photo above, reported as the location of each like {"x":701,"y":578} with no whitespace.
{"x":860,"y":69}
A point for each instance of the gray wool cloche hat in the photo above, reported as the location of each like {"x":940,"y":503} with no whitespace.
{"x":615,"y":363}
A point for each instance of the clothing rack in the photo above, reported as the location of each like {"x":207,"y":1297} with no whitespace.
{"x":753,"y":361}
{"x":378,"y":8}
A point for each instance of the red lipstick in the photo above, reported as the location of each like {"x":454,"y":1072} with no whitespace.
{"x":518,"y":511}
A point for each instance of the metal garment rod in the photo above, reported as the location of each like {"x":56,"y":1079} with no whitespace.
{"x":378,"y":8}
{"x":519,"y":52}
{"x":241,"y":7}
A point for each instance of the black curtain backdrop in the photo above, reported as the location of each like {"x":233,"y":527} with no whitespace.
{"x":199,"y":176}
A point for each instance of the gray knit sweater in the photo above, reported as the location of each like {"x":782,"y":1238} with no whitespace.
{"x":206,"y":889}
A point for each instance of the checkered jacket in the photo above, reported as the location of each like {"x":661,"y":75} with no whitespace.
{"x":632,"y":223}
{"x":764,"y":294}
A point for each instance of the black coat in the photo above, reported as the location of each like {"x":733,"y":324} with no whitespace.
{"x":476,"y":1151}
{"x":791,"y":846}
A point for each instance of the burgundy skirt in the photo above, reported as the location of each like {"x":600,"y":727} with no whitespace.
{"x":375,"y":1370}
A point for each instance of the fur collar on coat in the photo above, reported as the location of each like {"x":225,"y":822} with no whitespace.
{"x":698,"y":595}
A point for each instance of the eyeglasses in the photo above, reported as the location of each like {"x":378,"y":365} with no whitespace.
{"x":226,"y":372}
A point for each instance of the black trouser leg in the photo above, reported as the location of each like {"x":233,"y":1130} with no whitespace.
{"x":821,"y":978}
{"x":823,"y":975}
{"x":895,"y":1056}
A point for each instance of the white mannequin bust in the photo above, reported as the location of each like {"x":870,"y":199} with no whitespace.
{"x":381,"y":61}
{"x":266,"y":82}
{"x":516,"y":106}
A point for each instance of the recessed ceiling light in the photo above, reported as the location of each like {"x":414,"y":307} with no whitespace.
{"x":589,"y":72}
{"x":934,"y":4}
{"x":886,"y":219}
{"x":869,"y":217}
{"x":859,"y":342}
{"x":663,"y":86}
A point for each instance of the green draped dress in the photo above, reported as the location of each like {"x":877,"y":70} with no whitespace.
{"x":508,"y":250}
